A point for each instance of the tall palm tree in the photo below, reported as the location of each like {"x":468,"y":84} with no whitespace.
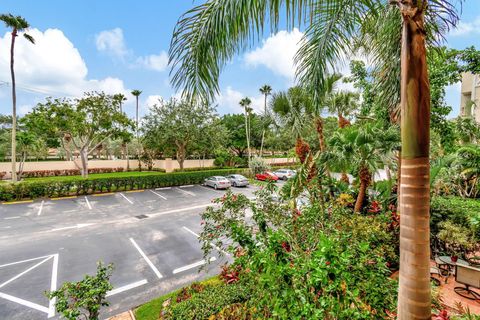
{"x":343,"y":103}
{"x":209,"y":35}
{"x":136,"y":93}
{"x":266,"y":90}
{"x":245,"y":103}
{"x":17,"y":24}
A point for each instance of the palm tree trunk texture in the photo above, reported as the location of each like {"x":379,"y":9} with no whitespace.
{"x":414,"y":300}
{"x":263,"y":132}
{"x":365,"y":178}
{"x":14,"y":109}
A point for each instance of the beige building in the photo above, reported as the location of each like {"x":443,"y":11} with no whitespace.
{"x":470,"y":96}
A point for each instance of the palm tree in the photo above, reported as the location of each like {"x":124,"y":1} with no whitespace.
{"x":361,"y":148}
{"x":292,"y":107}
{"x":266,"y":90}
{"x":136,"y":93}
{"x":245,"y":103}
{"x":17,"y":24}
{"x":209,"y":35}
{"x":343,"y":103}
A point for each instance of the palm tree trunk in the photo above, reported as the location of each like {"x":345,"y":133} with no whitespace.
{"x":263,"y":132}
{"x":248,"y":135}
{"x":364,"y":177}
{"x":138,"y":140}
{"x":414,"y":287}
{"x":14,"y":109}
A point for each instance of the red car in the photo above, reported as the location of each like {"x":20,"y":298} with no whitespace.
{"x":266,"y":176}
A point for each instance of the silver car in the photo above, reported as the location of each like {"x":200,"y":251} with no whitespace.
{"x":285,"y":174}
{"x":237,"y":180}
{"x":217,"y":182}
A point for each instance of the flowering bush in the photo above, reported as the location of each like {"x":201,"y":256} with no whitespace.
{"x":313,"y":263}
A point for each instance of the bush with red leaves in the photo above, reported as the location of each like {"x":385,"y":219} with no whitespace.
{"x":230,"y":274}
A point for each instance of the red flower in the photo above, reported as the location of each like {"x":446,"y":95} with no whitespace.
{"x":327,"y":263}
{"x":286,"y":246}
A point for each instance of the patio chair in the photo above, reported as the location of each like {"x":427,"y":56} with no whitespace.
{"x":438,"y":272}
{"x":470,"y":277}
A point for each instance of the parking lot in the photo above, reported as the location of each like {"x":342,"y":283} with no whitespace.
{"x":149,"y":235}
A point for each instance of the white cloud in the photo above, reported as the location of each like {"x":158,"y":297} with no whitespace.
{"x":153,"y":100}
{"x":24,"y":109}
{"x":466,"y":28}
{"x":228,"y":101}
{"x":277,"y":53}
{"x":112,"y":43}
{"x":53,"y":66}
{"x":154,"y":62}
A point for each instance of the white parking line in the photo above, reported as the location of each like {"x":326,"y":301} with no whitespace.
{"x":41,"y":207}
{"x":24,"y":302}
{"x":164,"y":188}
{"x":214,"y":246}
{"x":127,"y":287}
{"x":151,"y":265}
{"x":186,"y":192}
{"x":78,"y":226}
{"x":22,"y":273}
{"x":10,"y":218}
{"x":187,"y":186}
{"x":181,"y":209}
{"x":193,"y":265}
{"x":158,"y":194}
{"x":53,"y":286}
{"x":22,"y":261}
{"x":88,"y":203}
{"x":126,"y":198}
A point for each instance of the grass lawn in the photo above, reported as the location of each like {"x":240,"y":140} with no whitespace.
{"x":151,"y":310}
{"x":100,"y":175}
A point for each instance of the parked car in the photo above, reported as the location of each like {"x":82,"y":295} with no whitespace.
{"x":285,"y":174}
{"x":217,"y":182}
{"x":266,"y":176}
{"x":237,"y":180}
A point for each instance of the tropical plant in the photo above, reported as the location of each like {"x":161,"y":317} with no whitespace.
{"x":258,"y":165}
{"x":18,"y":25}
{"x":292,"y":108}
{"x":266,"y":90}
{"x":83,"y":299}
{"x":343,"y":104}
{"x":361,"y":148}
{"x":245,"y":103}
{"x":210,"y":34}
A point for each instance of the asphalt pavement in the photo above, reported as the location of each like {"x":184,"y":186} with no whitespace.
{"x":149,"y":235}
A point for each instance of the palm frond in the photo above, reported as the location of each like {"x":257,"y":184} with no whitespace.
{"x":328,"y":40}
{"x":29,"y":38}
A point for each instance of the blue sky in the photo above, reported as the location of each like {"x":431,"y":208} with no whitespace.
{"x":118,"y":46}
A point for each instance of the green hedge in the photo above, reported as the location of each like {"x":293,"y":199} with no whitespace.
{"x":74,"y":186}
{"x":462,"y":211}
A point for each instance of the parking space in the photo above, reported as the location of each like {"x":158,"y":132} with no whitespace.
{"x":149,"y":235}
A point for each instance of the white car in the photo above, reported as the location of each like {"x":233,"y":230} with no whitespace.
{"x":217,"y":182}
{"x":285,"y":174}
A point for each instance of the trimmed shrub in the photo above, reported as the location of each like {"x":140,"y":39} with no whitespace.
{"x":461,"y":211}
{"x":66,"y":172}
{"x":82,"y":186}
{"x":208,"y":302}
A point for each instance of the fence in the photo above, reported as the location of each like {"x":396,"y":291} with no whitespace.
{"x":168,"y":164}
